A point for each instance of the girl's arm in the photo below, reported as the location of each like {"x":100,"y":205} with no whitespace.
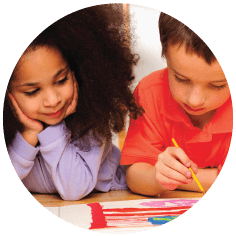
{"x":22,"y":155}
{"x":72,"y":171}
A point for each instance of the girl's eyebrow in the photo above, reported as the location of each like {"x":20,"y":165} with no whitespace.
{"x":27,"y":84}
{"x":36,"y":84}
{"x":60,"y":71}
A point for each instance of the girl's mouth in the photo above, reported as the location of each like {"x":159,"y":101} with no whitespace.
{"x":55,"y":114}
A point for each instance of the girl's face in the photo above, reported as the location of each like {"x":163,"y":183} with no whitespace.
{"x":198,"y":87}
{"x":43,"y":85}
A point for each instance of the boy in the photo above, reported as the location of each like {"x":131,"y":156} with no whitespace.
{"x":188,"y":101}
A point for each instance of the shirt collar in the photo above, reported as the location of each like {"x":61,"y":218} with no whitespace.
{"x":222,"y":121}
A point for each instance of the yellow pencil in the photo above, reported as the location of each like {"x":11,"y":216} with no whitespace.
{"x":194,"y":176}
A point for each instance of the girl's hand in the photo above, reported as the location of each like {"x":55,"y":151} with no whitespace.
{"x":31,"y":127}
{"x":72,"y":107}
{"x":172,"y":168}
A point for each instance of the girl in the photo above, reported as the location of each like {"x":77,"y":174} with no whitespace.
{"x":67,"y":94}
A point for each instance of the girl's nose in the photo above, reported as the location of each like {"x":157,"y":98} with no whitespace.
{"x":51,"y":99}
{"x":196,"y":98}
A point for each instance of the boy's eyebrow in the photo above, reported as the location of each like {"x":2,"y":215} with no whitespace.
{"x":36,"y":84}
{"x":216,"y":81}
{"x":178,"y":73}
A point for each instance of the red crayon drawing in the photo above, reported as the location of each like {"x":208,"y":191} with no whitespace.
{"x":117,"y":215}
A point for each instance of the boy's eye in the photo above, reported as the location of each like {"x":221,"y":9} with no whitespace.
{"x":31,"y":92}
{"x":62,"y":81}
{"x":218,"y":87}
{"x":186,"y":81}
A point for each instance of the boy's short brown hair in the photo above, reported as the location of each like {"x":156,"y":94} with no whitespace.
{"x":174,"y":32}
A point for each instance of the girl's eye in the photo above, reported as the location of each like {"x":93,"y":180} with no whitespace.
{"x":218,"y":87}
{"x":31,"y":92}
{"x":62,"y":81}
{"x":185,"y":81}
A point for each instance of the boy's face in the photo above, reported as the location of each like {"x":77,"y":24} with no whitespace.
{"x":44,"y":85}
{"x":198,"y":87}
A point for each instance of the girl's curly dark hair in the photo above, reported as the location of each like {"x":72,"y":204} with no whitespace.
{"x":94,"y":43}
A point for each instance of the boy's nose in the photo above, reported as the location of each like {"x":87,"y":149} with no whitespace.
{"x":52,"y":99}
{"x":196,"y":98}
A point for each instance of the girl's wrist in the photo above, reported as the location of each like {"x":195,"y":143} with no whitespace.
{"x":30,"y":137}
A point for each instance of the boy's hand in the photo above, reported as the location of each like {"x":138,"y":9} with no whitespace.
{"x":72,"y":107}
{"x":172,"y":168}
{"x":31,"y":127}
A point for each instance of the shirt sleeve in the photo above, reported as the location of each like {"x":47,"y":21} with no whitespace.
{"x":74,"y":172}
{"x":22,"y":155}
{"x":144,"y":141}
{"x":223,"y":155}
{"x":59,"y":165}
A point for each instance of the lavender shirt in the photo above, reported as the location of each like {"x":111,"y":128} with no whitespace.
{"x":60,"y":166}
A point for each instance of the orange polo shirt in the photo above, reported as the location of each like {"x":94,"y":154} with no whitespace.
{"x":165,"y":119}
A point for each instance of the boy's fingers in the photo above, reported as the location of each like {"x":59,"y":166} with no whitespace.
{"x":176,"y":165}
{"x":175,"y":174}
{"x":168,"y":183}
{"x":179,"y":153}
{"x":194,"y":168}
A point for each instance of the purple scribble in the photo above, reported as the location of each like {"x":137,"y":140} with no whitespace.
{"x":169,"y":202}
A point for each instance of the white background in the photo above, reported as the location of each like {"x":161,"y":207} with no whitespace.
{"x":145,"y":41}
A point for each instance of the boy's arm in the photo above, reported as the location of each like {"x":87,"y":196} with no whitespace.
{"x":206,"y":178}
{"x":141,"y":179}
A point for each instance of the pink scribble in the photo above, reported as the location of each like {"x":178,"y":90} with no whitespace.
{"x":169,"y":202}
